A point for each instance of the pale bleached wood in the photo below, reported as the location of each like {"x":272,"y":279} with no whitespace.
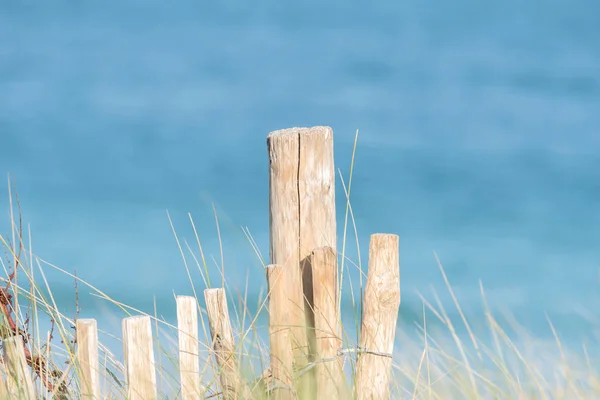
{"x":138,"y":349}
{"x":380,"y":315}
{"x":18,"y":379}
{"x":4,"y":393}
{"x":302,"y":218}
{"x":329,"y":374}
{"x":284,"y":212}
{"x":87,"y":355}
{"x":189,"y":356}
{"x":316,"y":190}
{"x":280,"y":344}
{"x":223,"y":343}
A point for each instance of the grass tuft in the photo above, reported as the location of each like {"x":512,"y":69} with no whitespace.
{"x":427,"y":364}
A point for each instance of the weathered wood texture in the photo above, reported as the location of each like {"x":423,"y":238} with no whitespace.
{"x":380,"y":315}
{"x":302,"y":218}
{"x":223,"y":342}
{"x":139,"y":358}
{"x":279,"y":336}
{"x":329,"y":374}
{"x":87,"y":356}
{"x":189,"y":357}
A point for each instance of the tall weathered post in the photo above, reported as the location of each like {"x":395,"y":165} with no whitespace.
{"x":302,"y":218}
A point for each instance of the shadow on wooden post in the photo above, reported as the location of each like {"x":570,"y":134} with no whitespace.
{"x":223,"y":343}
{"x":329,"y":369}
{"x":380,"y":315}
{"x":302,"y":218}
{"x":309,"y":315}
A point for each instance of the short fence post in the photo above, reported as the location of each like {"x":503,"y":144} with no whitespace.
{"x":302,"y":218}
{"x":279,"y":336}
{"x":329,"y":372}
{"x":87,"y":355}
{"x":139,"y":358}
{"x":19,"y":382}
{"x":223,"y":342}
{"x":380,"y":315}
{"x":4,"y":392}
{"x":189,"y":357}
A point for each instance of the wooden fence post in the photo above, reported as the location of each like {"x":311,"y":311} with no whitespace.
{"x":4,"y":392}
{"x":189,"y":357}
{"x":302,"y":218}
{"x":87,"y":355}
{"x":380,"y":315}
{"x":223,"y":342}
{"x":279,"y":335}
{"x":139,"y":358}
{"x":329,"y":369}
{"x":19,"y":382}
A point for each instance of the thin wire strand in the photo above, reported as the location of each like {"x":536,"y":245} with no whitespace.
{"x":342,"y":353}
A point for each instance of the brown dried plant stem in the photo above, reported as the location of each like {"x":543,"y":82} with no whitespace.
{"x":37,"y":363}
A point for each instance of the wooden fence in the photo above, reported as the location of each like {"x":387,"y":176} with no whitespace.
{"x":304,"y":308}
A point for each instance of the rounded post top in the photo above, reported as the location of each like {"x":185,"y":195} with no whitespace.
{"x":315,"y":130}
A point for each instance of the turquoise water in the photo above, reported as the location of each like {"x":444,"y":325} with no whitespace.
{"x":478,"y":139}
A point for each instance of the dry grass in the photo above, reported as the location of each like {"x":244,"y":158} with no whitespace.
{"x":428,"y":365}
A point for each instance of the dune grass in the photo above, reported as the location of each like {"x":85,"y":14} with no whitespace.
{"x":428,"y":363}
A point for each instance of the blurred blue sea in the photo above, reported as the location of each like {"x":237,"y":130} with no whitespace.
{"x":479,"y":139}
